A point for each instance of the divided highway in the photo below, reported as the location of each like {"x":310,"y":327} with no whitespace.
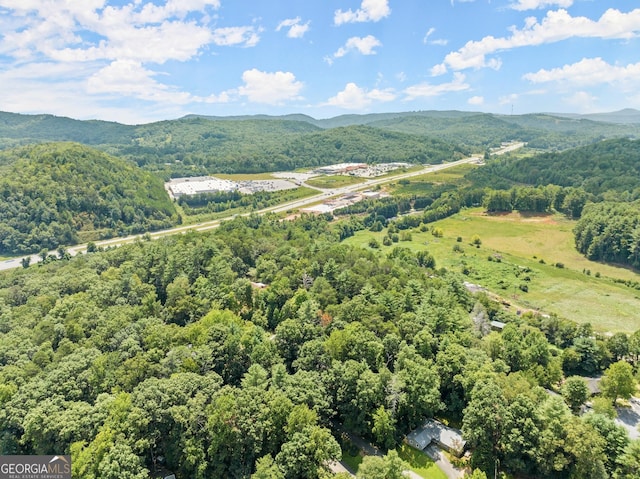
{"x":293,"y":205}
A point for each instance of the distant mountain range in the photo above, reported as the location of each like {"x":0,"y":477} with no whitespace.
{"x":198,"y":144}
{"x":628,"y":115}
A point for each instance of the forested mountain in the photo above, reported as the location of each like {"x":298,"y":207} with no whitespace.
{"x":23,"y":129}
{"x":197,"y":145}
{"x":162,"y":355}
{"x":194,"y":146}
{"x":253,"y":146}
{"x":56,"y":194}
{"x":627,"y":115}
{"x":611,"y":165}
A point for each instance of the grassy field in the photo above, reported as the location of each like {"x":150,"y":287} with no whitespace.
{"x":418,"y":462}
{"x":520,"y":252}
{"x":336,"y":181}
{"x":424,"y":184}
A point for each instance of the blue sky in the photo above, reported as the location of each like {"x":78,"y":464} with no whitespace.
{"x":136,"y":61}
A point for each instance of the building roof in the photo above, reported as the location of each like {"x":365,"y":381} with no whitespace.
{"x":434,"y":431}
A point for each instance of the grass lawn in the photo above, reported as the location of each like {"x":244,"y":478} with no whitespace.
{"x":336,"y":181}
{"x":418,"y":462}
{"x":528,"y":248}
{"x":352,"y":462}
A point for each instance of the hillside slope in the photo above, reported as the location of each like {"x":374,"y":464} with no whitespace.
{"x":61,"y":193}
{"x":603,"y":166}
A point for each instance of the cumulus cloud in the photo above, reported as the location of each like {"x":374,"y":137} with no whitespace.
{"x":227,"y":36}
{"x":426,"y":90}
{"x":556,"y":26}
{"x":270,"y":88}
{"x":130,"y":78}
{"x":476,"y":100}
{"x":582,"y":101}
{"x":369,"y":11}
{"x":536,"y":4}
{"x":588,"y":71}
{"x":354,"y":97}
{"x":365,"y":46}
{"x":89,"y":30}
{"x":297,"y":29}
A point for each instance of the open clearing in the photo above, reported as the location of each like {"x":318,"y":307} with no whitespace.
{"x":336,"y":181}
{"x":516,"y":245}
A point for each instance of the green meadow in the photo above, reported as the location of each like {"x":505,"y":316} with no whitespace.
{"x":530,"y":262}
{"x":334,"y":181}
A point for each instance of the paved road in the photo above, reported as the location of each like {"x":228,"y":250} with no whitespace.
{"x":293,"y":205}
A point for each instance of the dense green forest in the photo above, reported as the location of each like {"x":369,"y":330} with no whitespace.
{"x":57,"y":194}
{"x":611,"y":165}
{"x":193,"y":146}
{"x":259,"y":145}
{"x":197,"y":145}
{"x":163,"y":355}
{"x":610,"y":232}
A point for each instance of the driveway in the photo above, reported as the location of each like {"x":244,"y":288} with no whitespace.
{"x":629,"y":418}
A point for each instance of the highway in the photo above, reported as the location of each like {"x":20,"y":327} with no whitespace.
{"x":293,"y":205}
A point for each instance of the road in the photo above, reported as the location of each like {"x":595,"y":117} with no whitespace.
{"x":293,"y":205}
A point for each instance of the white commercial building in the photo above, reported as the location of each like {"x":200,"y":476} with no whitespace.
{"x":200,"y":184}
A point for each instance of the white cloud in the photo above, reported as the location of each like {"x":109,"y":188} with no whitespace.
{"x":296,"y":28}
{"x":157,"y":44}
{"x":588,"y":71}
{"x":270,"y":88}
{"x":424,"y":90}
{"x":365,"y":45}
{"x":476,"y":100}
{"x":438,"y":41}
{"x":61,"y":30}
{"x":28,"y":88}
{"x":369,"y":11}
{"x":355,"y":98}
{"x":437,"y":70}
{"x":130,"y":78}
{"x":536,"y":4}
{"x":228,"y":36}
{"x":556,"y":26}
{"x":508,"y":99}
{"x":582,"y":101}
